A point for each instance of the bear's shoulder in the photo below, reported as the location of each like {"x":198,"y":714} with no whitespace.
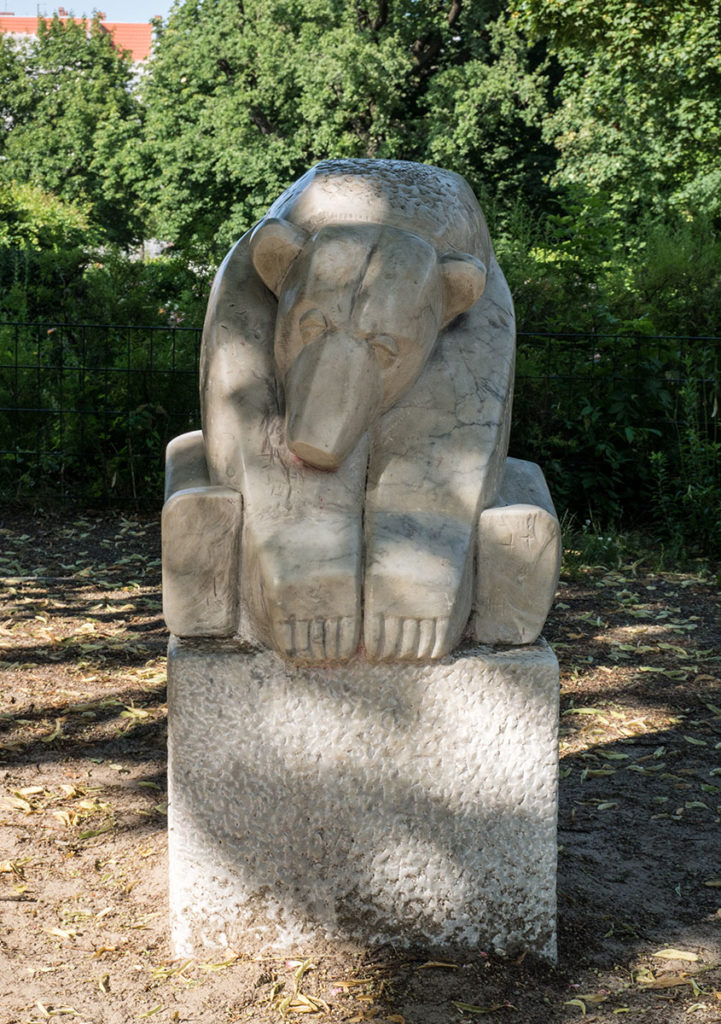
{"x":434,"y":203}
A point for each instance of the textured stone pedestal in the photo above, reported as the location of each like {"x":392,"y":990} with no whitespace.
{"x":367,"y":803}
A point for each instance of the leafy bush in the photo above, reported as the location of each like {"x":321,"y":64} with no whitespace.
{"x":618,"y":422}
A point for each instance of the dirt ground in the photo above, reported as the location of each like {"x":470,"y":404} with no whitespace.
{"x":83,"y":899}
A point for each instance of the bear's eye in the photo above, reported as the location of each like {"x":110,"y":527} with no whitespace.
{"x":312,"y":324}
{"x":385,"y":349}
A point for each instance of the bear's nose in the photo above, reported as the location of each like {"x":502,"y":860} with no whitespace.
{"x":333,"y":393}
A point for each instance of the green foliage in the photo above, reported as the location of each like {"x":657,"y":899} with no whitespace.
{"x":582,"y":269}
{"x":243,"y":99}
{"x":90,"y":409}
{"x":627,"y":432}
{"x":482,"y":119}
{"x":68,"y":114}
{"x":52,"y":268}
{"x":638,"y":119}
{"x":687,"y":474}
{"x":43,"y":251}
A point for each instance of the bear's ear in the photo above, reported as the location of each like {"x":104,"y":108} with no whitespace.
{"x":274,"y":245}
{"x":464,"y":278}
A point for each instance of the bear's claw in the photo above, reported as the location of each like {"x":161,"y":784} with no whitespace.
{"x":390,"y":638}
{"x":317,"y":640}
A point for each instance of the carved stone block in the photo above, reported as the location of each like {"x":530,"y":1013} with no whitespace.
{"x":363,"y":803}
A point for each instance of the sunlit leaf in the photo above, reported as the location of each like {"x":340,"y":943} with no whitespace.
{"x":60,"y":933}
{"x":667,"y":981}
{"x":577,"y":1002}
{"x":675,"y":954}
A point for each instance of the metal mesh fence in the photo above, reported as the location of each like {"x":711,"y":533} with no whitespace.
{"x":87,"y":409}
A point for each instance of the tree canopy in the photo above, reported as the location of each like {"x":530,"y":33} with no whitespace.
{"x":242,"y":98}
{"x":638,"y":119}
{"x":587,"y":122}
{"x":67,"y":108}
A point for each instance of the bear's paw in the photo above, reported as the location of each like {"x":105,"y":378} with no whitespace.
{"x":316,"y":640}
{"x":394,"y":638}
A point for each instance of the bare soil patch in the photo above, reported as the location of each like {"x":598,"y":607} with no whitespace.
{"x":82,"y":812}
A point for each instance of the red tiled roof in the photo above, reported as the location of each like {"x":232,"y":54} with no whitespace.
{"x":133,"y":36}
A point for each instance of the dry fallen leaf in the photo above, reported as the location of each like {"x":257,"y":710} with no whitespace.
{"x":594,"y":998}
{"x":60,"y":933}
{"x":675,"y":954}
{"x":667,"y":981}
{"x":577,"y":1002}
{"x":479,"y":1010}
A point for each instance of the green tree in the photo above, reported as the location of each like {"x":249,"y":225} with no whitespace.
{"x":243,"y":97}
{"x":68,"y":111}
{"x":483,"y":117}
{"x":44,"y":251}
{"x":639,"y":114}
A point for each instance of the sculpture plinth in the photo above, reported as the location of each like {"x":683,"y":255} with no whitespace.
{"x":346,"y":761}
{"x":409,"y":804}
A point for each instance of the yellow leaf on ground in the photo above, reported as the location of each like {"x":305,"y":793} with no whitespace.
{"x":14,"y":867}
{"x":470,"y":1008}
{"x":57,"y":731}
{"x":18,"y":804}
{"x":667,"y":981}
{"x":60,"y":933}
{"x":65,"y":818}
{"x":675,"y":954}
{"x":594,"y":998}
{"x":577,"y":1002}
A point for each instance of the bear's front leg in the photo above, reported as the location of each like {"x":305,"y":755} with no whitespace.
{"x":436,"y":463}
{"x":302,"y":546}
{"x":300,"y":551}
{"x":418,"y":591}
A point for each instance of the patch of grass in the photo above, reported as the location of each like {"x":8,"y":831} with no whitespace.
{"x":588,"y":544}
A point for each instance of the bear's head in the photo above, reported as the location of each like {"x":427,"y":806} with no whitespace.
{"x":359,"y":309}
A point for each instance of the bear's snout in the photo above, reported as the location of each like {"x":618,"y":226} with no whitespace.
{"x":333,"y":393}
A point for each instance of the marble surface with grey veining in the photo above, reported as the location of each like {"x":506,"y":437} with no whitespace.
{"x":356,"y":385}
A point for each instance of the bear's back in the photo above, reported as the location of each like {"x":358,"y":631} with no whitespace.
{"x":438,"y":205}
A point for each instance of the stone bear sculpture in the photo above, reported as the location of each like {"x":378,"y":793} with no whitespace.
{"x":350,"y":490}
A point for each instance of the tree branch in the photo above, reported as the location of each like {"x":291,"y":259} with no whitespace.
{"x":364,"y":19}
{"x":382,"y":17}
{"x":454,"y":12}
{"x":427,"y":49}
{"x":261,"y":122}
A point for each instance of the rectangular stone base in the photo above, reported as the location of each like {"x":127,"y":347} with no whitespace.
{"x":410,"y":804}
